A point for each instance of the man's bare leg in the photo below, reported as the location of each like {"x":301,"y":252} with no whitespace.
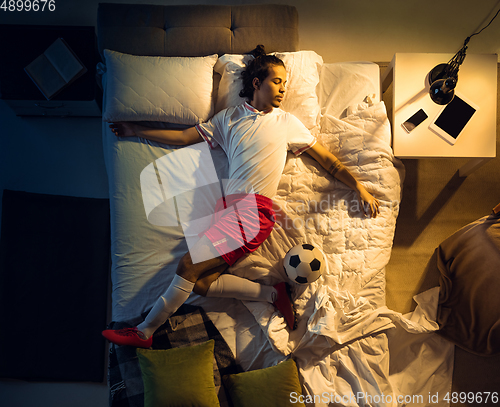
{"x":184,"y":282}
{"x":182,"y":285}
{"x":205,"y":281}
{"x":213,"y":284}
{"x":176,"y":294}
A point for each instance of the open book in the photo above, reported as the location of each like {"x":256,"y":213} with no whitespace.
{"x":55,"y":69}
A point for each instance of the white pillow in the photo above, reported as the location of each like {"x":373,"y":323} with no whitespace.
{"x":346,"y":84}
{"x":230,"y":66}
{"x":303,"y":70}
{"x":166,"y":89}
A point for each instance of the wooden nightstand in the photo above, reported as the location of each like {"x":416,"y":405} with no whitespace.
{"x":21,"y":44}
{"x":477,"y":80}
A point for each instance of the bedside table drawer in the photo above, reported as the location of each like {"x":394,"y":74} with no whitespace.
{"x":56,"y":108}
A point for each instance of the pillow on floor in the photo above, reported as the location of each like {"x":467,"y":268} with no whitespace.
{"x":274,"y":386}
{"x":179,"y":377}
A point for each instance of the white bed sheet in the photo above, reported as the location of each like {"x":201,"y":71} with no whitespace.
{"x":345,"y":331}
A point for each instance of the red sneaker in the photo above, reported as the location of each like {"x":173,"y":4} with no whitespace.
{"x":283,"y":304}
{"x":127,"y":336}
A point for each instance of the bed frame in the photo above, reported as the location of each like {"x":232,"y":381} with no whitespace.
{"x":184,"y":31}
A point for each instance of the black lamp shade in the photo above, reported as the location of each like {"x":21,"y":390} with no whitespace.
{"x":442,"y":91}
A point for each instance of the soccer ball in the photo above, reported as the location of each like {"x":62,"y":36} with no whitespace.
{"x":304,"y":263}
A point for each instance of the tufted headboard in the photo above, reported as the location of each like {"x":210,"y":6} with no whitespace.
{"x":195,"y":30}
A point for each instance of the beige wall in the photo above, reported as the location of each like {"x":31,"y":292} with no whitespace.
{"x":343,"y":30}
{"x":375,"y":29}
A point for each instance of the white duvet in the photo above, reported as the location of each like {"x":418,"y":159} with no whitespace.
{"x":314,"y":207}
{"x":341,"y":345}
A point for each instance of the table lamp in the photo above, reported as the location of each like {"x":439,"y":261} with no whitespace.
{"x":443,"y":78}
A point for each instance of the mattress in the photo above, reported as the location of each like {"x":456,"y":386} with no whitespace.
{"x":144,"y":254}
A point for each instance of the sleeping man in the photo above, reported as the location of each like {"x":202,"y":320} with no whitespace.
{"x":255,"y":137}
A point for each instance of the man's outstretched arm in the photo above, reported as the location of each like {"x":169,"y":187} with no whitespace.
{"x":173,"y":137}
{"x":332,"y":164}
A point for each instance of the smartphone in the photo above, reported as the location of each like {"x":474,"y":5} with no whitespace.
{"x":414,"y":121}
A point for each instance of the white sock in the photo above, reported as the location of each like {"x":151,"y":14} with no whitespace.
{"x":177,"y":293}
{"x":231,"y":286}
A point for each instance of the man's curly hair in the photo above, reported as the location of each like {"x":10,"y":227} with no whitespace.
{"x":257,"y":68}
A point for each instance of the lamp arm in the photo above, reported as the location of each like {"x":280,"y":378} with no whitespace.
{"x":458,"y":58}
{"x":456,"y":61}
{"x":443,"y":77}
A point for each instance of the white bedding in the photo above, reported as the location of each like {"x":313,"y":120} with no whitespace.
{"x":345,"y":333}
{"x":317,"y":209}
{"x":347,"y":305}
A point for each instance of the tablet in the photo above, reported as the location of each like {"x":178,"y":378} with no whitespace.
{"x":453,"y":118}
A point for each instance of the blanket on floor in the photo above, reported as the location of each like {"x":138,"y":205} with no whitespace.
{"x":469,"y":264}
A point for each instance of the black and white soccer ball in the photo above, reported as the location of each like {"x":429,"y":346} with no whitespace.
{"x":304,"y":263}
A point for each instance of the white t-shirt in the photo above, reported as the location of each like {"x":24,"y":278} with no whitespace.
{"x":256,"y":144}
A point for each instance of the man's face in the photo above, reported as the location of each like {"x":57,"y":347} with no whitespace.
{"x":270,"y":92}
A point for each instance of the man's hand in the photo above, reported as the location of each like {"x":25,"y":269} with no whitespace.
{"x":371,"y":205}
{"x":330,"y":163}
{"x":123,"y":129}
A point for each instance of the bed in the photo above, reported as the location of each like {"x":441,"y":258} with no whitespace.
{"x":349,"y":348}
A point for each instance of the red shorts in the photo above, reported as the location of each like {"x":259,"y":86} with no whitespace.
{"x":240,"y":224}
